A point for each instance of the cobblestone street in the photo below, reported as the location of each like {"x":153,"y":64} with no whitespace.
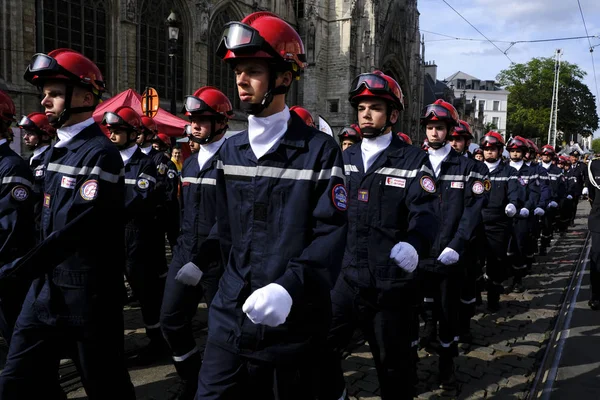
{"x":501,"y":362}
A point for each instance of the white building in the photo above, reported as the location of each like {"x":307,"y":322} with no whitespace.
{"x":490,"y":99}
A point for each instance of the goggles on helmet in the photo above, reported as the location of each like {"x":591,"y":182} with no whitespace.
{"x":516,"y":144}
{"x":196,"y":105}
{"x":349,"y":132}
{"x":29,"y":125}
{"x":111,"y":119}
{"x":375,"y":83}
{"x":41,"y":63}
{"x":490,"y":141}
{"x":437,"y":111}
{"x":238,"y":37}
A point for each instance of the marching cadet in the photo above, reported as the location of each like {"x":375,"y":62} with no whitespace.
{"x":462,"y":194}
{"x":17,"y":224}
{"x":576,"y":176}
{"x":281,"y":224}
{"x":530,"y":160}
{"x":478,"y":154}
{"x":391,"y":224}
{"x":38,"y":135}
{"x":304,"y":114}
{"x":507,"y":195}
{"x":521,"y":245}
{"x":209,"y":111}
{"x":349,"y":136}
{"x":557,"y":192}
{"x":592,"y":183}
{"x":461,"y":138}
{"x":124,"y":124}
{"x":71,"y":306}
{"x":167,"y":183}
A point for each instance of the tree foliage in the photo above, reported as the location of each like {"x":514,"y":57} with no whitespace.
{"x":530,"y":99}
{"x":596,"y":146}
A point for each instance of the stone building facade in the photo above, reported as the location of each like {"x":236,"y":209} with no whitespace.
{"x":128,"y":39}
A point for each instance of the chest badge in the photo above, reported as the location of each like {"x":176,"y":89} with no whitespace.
{"x":363,"y":195}
{"x":395,"y":182}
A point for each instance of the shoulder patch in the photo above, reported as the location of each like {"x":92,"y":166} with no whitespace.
{"x":20,"y":193}
{"x":171,"y":174}
{"x":427,"y":184}
{"x":478,"y":187}
{"x":143,"y":183}
{"x":339,"y":195}
{"x":89,"y":190}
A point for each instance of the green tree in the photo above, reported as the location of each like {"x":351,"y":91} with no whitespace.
{"x":596,"y":146}
{"x":490,"y":126}
{"x":530,"y":99}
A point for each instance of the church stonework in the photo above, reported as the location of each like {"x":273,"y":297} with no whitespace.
{"x":342,"y":39}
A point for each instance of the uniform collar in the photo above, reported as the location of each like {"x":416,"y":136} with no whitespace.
{"x":547,"y":166}
{"x":295,"y":135}
{"x":265,"y":132}
{"x":146,"y":150}
{"x":516,"y":165}
{"x":66,"y":134}
{"x":39,"y":151}
{"x":493,"y":166}
{"x":2,"y":141}
{"x":207,"y":151}
{"x":127,"y":153}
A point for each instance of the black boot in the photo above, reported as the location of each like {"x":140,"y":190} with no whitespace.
{"x":493,"y":298}
{"x":447,"y":378}
{"x":466,"y":312}
{"x":154,"y":352}
{"x":188,"y":371}
{"x":429,"y":334}
{"x":518,"y":285}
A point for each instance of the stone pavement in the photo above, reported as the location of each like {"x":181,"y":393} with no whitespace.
{"x":500,"y":363}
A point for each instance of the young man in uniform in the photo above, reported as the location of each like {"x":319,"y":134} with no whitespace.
{"x":71,"y":305}
{"x":209,"y":111}
{"x":16,"y":222}
{"x":557,"y":191}
{"x":349,"y":136}
{"x":281,"y":224}
{"x":38,"y":135}
{"x":463,"y":188}
{"x":461,"y":138}
{"x":124,"y":124}
{"x":507,"y":195}
{"x":577,"y":177}
{"x":592,"y":183}
{"x":391,"y":223}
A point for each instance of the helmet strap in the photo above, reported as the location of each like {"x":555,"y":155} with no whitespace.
{"x":69,"y":111}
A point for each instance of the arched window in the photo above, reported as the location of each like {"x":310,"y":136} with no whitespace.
{"x":76,"y":24}
{"x":153,"y":44}
{"x":219,"y":73}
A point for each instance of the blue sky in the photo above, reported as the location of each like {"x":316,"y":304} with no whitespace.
{"x":509,"y":20}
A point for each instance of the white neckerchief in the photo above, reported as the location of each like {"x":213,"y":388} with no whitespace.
{"x":208,"y":150}
{"x":37,"y":152}
{"x":437,"y":156}
{"x":265,"y":132}
{"x":546,"y":166}
{"x":492,"y":166}
{"x":528,"y":163}
{"x":2,"y":141}
{"x":67,"y":133}
{"x":146,"y":150}
{"x":371,"y":148}
{"x":127,"y":153}
{"x":516,"y":165}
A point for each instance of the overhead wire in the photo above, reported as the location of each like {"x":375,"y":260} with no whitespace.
{"x":591,"y":51}
{"x":481,"y":33}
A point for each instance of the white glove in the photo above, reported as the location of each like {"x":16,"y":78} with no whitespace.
{"x":448,"y":256}
{"x":552,"y":204}
{"x":405,"y":256}
{"x":585,"y":191}
{"x":510,"y":210}
{"x":189,"y":274}
{"x":269,"y":305}
{"x":524,"y":213}
{"x":569,"y":197}
{"x":539,"y":212}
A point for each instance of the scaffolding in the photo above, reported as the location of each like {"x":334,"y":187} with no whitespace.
{"x":554,"y":109}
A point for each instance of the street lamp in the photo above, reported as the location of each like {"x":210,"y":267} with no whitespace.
{"x":173,"y":30}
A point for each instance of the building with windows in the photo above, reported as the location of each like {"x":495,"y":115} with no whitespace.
{"x":484,"y":100}
{"x":128,"y":40}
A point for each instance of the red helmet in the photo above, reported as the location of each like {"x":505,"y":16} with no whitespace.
{"x":440,"y":110}
{"x":149,"y":126}
{"x":67,"y":65}
{"x":517,"y":143}
{"x":376,"y":84}
{"x":164,"y":138}
{"x":208,"y":101}
{"x":548,"y":150}
{"x":492,"y":139}
{"x":351,"y":132}
{"x":7,"y":108}
{"x":405,"y":138}
{"x":304,"y":114}
{"x":124,"y":117}
{"x":37,"y":123}
{"x":262,"y":35}
{"x":478,"y":150}
{"x":532,"y":146}
{"x":463,"y":129}
{"x":564,"y":160}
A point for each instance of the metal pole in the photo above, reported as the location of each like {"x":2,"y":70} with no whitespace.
{"x":173,"y":83}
